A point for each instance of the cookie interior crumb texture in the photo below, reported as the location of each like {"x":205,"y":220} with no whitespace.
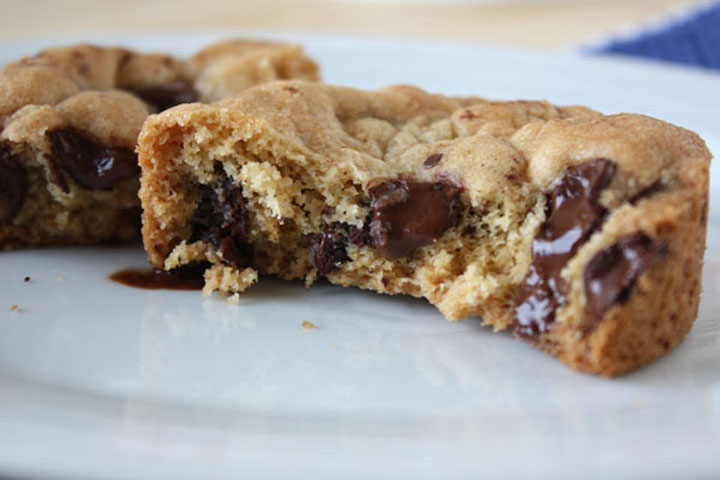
{"x":583,"y":233}
{"x":70,"y":117}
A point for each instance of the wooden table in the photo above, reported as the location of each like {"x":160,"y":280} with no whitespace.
{"x":535,"y":24}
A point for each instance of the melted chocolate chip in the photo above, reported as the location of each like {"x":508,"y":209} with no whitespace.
{"x":221,"y":220}
{"x":611,"y":274}
{"x":13,"y":185}
{"x":432,"y":160}
{"x":92,"y":165}
{"x":408,"y":215}
{"x":186,"y":277}
{"x":573,"y":214}
{"x":167,"y":95}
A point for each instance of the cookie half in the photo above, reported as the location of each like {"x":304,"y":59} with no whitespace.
{"x":581,"y":232}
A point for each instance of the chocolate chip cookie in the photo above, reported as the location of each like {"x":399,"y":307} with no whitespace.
{"x":70,"y":118}
{"x":583,"y":233}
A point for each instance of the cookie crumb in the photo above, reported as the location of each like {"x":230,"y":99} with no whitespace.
{"x":61,"y":277}
{"x":234,"y":299}
{"x":14,"y":308}
{"x":308,"y":325}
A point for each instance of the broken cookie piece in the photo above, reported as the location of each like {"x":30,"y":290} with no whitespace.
{"x":70,"y":117}
{"x":582,"y":233}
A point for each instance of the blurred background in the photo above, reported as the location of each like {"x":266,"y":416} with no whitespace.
{"x":534,"y":24}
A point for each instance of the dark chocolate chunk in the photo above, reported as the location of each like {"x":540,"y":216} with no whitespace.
{"x":329,"y":252}
{"x":208,"y":217}
{"x":221,"y":220}
{"x":13,"y":185}
{"x":408,"y":215}
{"x":329,"y":249}
{"x":432,"y":160}
{"x":235,"y":246}
{"x":360,"y":237}
{"x":611,"y":273}
{"x":92,"y":165}
{"x":573,"y":214}
{"x":167,"y":95}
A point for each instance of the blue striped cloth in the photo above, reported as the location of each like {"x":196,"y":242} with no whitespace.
{"x":694,"y":40}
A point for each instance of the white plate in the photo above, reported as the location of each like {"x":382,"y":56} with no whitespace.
{"x":98,"y":380}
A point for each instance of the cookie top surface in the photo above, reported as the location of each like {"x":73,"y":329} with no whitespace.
{"x":494,"y":150}
{"x":107,"y":92}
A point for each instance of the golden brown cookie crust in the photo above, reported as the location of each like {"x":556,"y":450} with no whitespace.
{"x":306,"y":158}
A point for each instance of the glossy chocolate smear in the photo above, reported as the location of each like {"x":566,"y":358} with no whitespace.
{"x":611,"y":274}
{"x":221,"y":220}
{"x":167,"y":95}
{"x":408,"y":215}
{"x":92,"y":165}
{"x":186,"y":277}
{"x":13,"y":185}
{"x":573,"y":214}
